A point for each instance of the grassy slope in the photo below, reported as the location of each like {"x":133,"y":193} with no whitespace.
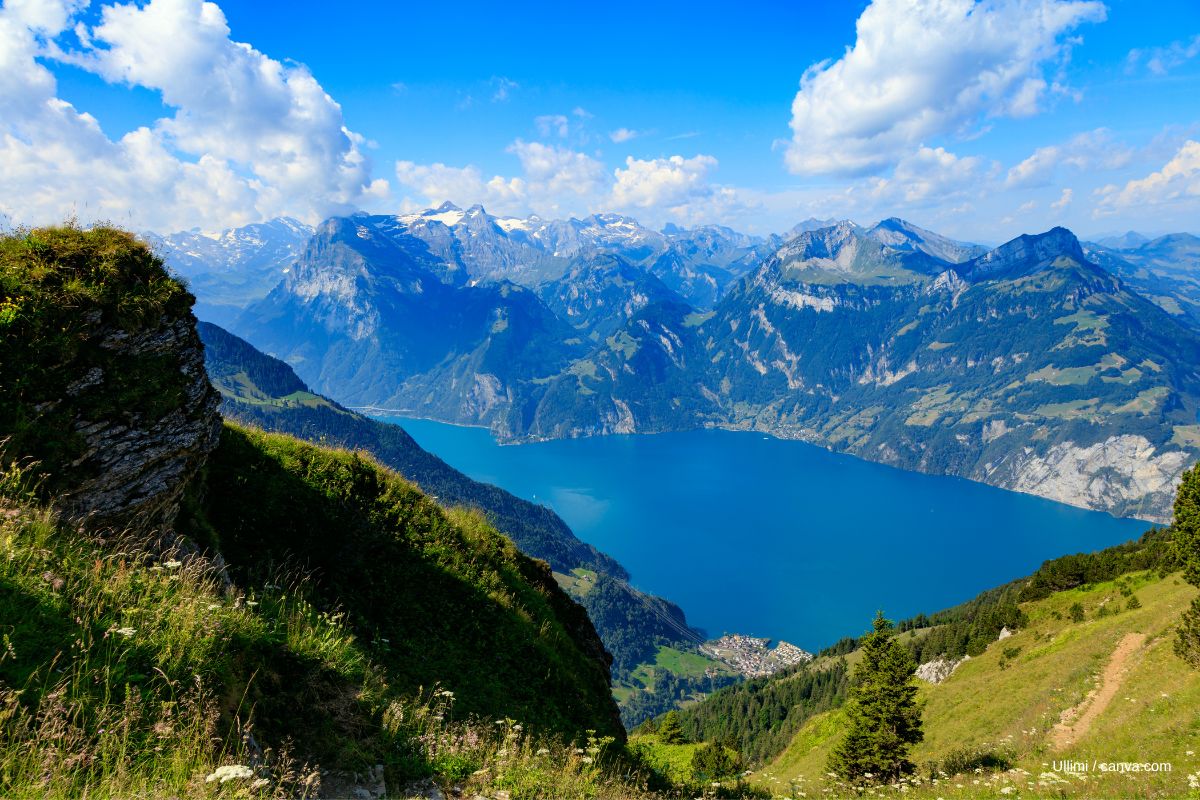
{"x":125,"y":674}
{"x":441,"y":597}
{"x":985,"y":704}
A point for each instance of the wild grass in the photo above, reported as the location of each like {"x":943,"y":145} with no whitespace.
{"x":111,"y":671}
{"x":130,"y":674}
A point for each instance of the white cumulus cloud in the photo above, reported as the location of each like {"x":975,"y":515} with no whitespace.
{"x":1177,"y":183}
{"x":921,"y":69}
{"x":929,"y":176}
{"x":1091,"y":150}
{"x":250,"y":137}
{"x":559,"y":181}
{"x":662,"y":181}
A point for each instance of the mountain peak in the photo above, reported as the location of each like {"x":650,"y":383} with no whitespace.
{"x":1027,"y":253}
{"x":904,"y":235}
{"x":448,"y":206}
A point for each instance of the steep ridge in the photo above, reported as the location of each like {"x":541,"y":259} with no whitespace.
{"x":903,"y":235}
{"x":265,"y":392}
{"x":102,"y":380}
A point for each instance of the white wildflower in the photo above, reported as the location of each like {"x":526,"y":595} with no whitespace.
{"x":172,"y":564}
{"x":230,"y":772}
{"x":126,"y":632}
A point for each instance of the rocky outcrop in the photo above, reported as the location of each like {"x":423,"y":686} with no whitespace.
{"x":939,"y":669}
{"x":135,"y":465}
{"x":1125,"y":475}
{"x":103,"y":392}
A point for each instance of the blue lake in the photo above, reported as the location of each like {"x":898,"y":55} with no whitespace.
{"x":777,"y":538}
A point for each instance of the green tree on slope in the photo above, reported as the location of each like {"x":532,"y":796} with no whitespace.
{"x":670,"y":731}
{"x":884,"y":719}
{"x":1187,"y":549}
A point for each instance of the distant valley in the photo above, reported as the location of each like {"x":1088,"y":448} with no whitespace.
{"x":1046,"y":365}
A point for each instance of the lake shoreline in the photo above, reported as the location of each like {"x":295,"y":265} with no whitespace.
{"x":753,"y":534}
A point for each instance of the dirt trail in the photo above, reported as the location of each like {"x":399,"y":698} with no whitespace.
{"x":1077,"y":721}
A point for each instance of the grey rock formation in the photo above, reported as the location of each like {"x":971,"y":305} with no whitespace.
{"x":136,"y":465}
{"x":939,"y":669}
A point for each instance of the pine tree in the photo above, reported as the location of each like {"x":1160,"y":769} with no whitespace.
{"x":669,"y":730}
{"x":884,"y":719}
{"x":1186,"y":543}
{"x":715,"y":760}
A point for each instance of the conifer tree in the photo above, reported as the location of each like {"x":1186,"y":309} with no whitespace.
{"x":1186,"y":543}
{"x":669,"y":730}
{"x":884,"y":719}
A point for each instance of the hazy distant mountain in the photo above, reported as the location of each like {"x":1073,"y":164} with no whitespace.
{"x":1124,"y":241}
{"x":240,"y":266}
{"x":810,"y":224}
{"x":1166,"y":270}
{"x":903,"y":235}
{"x":230,"y":270}
{"x":473,"y":245}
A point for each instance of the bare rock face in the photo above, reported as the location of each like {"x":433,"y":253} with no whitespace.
{"x":1125,"y":475}
{"x":939,"y":669}
{"x":136,"y":465}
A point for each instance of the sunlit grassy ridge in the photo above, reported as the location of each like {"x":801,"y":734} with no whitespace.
{"x":1004,"y":703}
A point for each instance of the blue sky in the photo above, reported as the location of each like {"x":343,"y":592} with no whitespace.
{"x":978,"y":119}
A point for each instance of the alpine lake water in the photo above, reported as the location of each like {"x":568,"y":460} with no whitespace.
{"x":780,"y":539}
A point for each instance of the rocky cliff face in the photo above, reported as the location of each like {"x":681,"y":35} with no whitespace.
{"x":102,"y":383}
{"x":135,"y":466}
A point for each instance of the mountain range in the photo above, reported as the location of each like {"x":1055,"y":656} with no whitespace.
{"x":1045,"y":365}
{"x":230,"y":269}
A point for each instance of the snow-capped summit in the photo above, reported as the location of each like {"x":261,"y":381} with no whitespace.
{"x":235,"y":267}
